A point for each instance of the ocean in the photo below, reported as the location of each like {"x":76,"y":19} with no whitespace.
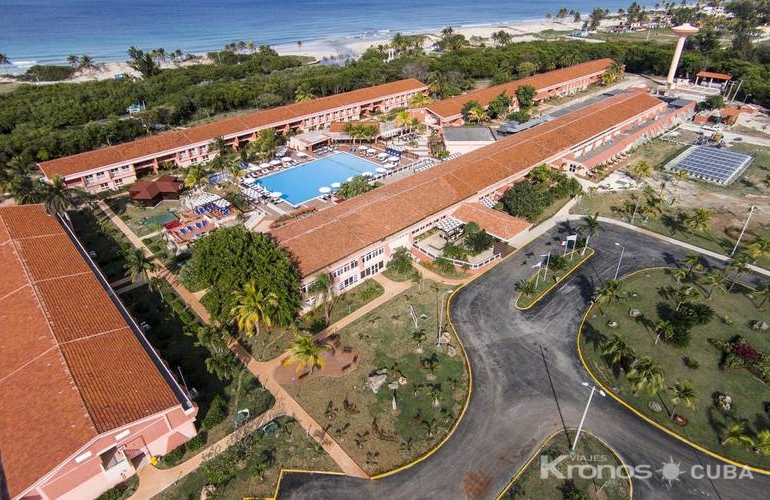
{"x":46,"y":31}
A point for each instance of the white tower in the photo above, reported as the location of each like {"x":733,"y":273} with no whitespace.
{"x":682,"y":32}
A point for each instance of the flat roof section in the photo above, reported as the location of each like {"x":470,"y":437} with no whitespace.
{"x":330,"y":235}
{"x":468,"y":134}
{"x":73,"y":367}
{"x":177,"y":139}
{"x":711,"y":164}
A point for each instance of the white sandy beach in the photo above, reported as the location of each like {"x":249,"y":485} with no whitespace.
{"x":355,"y":46}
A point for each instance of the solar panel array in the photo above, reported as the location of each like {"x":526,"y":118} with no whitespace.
{"x":711,"y":164}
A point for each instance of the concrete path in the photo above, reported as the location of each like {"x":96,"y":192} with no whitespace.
{"x":152,"y":480}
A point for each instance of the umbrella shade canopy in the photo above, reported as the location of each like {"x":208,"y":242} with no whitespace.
{"x":275,"y":162}
{"x":286,"y":158}
{"x":301,"y":154}
{"x":276,"y":194}
{"x":324,"y":189}
{"x":366,"y":174}
{"x":371,"y":151}
{"x":390,"y":165}
{"x":264,"y":165}
{"x":382,"y":155}
{"x":393,"y":158}
{"x":380,"y":169}
{"x":336,"y":184}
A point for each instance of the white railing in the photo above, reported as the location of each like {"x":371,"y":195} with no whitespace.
{"x":461,"y":263}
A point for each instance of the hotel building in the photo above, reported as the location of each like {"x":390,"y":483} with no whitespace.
{"x":116,"y":166}
{"x":84,"y":398}
{"x":355,"y":239}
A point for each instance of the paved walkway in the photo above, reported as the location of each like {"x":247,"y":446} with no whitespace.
{"x":262,"y":371}
{"x":152,"y":480}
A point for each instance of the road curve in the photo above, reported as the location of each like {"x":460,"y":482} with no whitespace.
{"x":523,"y":362}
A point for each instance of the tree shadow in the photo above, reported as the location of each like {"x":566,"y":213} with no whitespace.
{"x":593,"y":336}
{"x":675,"y":224}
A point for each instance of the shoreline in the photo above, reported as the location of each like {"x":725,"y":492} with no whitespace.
{"x":343,"y":47}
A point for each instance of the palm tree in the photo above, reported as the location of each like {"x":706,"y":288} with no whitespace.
{"x":303,"y":93}
{"x":698,"y":221}
{"x":252,"y":307}
{"x":692,"y":261}
{"x":401,"y":261}
{"x":323,"y":287}
{"x":641,"y":170}
{"x":735,"y":433}
{"x":235,"y":172}
{"x":219,"y":144}
{"x":760,"y":247}
{"x":221,"y":362}
{"x":739,"y":265}
{"x":680,"y":175}
{"x":24,"y":190}
{"x":763,"y":442}
{"x":72,"y":60}
{"x":680,"y":274}
{"x":403,"y":120}
{"x":195,"y":176}
{"x":56,"y":197}
{"x":684,"y":294}
{"x":682,"y":393}
{"x":306,"y":352}
{"x":477,"y":114}
{"x":716,"y":280}
{"x":138,"y":264}
{"x":617,"y":350}
{"x":590,"y":226}
{"x":646,"y":374}
{"x":663,"y":329}
{"x":527,"y":287}
{"x":252,"y":48}
{"x":608,"y":294}
{"x":419,"y":101}
{"x":299,"y":46}
{"x":4,"y":61}
{"x":86,"y":62}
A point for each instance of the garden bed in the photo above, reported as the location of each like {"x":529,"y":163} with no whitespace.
{"x":539,"y":285}
{"x":652,"y":294}
{"x":429,"y":384}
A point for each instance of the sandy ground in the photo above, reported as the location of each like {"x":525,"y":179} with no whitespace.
{"x":353,"y":46}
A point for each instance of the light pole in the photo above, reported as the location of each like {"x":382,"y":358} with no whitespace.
{"x":585,"y":412}
{"x":622,"y":251}
{"x":745,"y":224}
{"x":746,"y":97}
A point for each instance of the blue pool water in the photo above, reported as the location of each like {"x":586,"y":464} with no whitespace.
{"x":300,"y":184}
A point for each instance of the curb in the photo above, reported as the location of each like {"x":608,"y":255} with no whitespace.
{"x":555,"y":283}
{"x":637,"y":412}
{"x":546,"y":442}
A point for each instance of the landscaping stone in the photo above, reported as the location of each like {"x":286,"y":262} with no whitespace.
{"x":655,"y":406}
{"x":431,"y":377}
{"x":634,"y":313}
{"x":451,"y":352}
{"x":444,"y":338}
{"x":402,"y":381}
{"x":612,"y":324}
{"x":760,"y":326}
{"x":393,"y":385}
{"x":374,"y":382}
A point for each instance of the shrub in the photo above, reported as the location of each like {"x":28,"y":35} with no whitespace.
{"x":478,"y":241}
{"x":173,"y":457}
{"x":197,"y":442}
{"x":691,"y":363}
{"x":216,"y":414}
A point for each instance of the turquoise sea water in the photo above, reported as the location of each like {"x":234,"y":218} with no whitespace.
{"x":46,"y":31}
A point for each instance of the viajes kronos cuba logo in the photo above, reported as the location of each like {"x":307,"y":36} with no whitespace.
{"x":576,"y":466}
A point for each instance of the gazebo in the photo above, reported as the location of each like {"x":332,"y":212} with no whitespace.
{"x":150,"y":193}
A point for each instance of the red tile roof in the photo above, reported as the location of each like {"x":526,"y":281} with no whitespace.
{"x":71,"y":366}
{"x":498,"y":224}
{"x":152,"y":145}
{"x":452,"y":106}
{"x":715,"y":76}
{"x":333,"y":234}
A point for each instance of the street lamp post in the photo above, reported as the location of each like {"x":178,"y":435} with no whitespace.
{"x":745,"y":225}
{"x":622,"y":251}
{"x":585,"y":411}
{"x":746,"y":97}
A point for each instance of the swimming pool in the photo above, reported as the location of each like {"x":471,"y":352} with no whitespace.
{"x":301,"y":183}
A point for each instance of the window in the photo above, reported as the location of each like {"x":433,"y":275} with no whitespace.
{"x":374,"y":253}
{"x":118,"y":182}
{"x":193,"y":160}
{"x":372,"y":269}
{"x":343,"y":269}
{"x":104,"y":185}
{"x":306,"y":288}
{"x":348,"y":281}
{"x":205,"y":157}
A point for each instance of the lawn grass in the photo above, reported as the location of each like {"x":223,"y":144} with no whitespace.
{"x":544,"y":284}
{"x":669,"y":223}
{"x":274,"y":341}
{"x":550,"y":210}
{"x":733,"y":311}
{"x":663,"y":36}
{"x":236,"y":471}
{"x":452,"y":274}
{"x":97,"y":234}
{"x":377,"y":437}
{"x":531,"y":485}
{"x":133,"y":215}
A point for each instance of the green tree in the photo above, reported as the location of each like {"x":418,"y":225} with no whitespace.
{"x":501,"y":38}
{"x":527,"y":287}
{"x":143,"y":62}
{"x":304,"y":93}
{"x":523,"y":200}
{"x":763,"y":442}
{"x":195,"y":176}
{"x":617,"y":351}
{"x":525,"y":95}
{"x":760,"y":247}
{"x":252,"y":306}
{"x":138,"y":264}
{"x":682,"y":392}
{"x":764,"y":292}
{"x":693,"y":263}
{"x":57,"y":197}
{"x":641,"y":170}
{"x":716,"y":281}
{"x":306,"y":352}
{"x":698,"y":221}
{"x":590,"y":226}
{"x":400,"y":261}
{"x":354,"y":187}
{"x":220,"y":362}
{"x":323,"y":288}
{"x":663,"y":329}
{"x":608,"y":294}
{"x":646,"y":374}
{"x":735,"y":433}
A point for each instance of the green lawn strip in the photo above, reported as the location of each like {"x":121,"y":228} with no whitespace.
{"x":589,"y":451}
{"x":452,"y":274}
{"x":427,"y":405}
{"x":668,"y":224}
{"x":250,"y":468}
{"x":545,"y":285}
{"x":550,"y":210}
{"x":733,"y":313}
{"x":274,"y":341}
{"x":398,"y":277}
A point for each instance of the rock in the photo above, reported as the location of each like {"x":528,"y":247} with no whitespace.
{"x":374,"y":382}
{"x":451,"y":351}
{"x":612,"y":324}
{"x":655,"y":406}
{"x":419,"y":350}
{"x":444,"y":338}
{"x":393,"y":385}
{"x":382,"y":371}
{"x":634,"y":313}
{"x":759,"y":326}
{"x":402,"y":381}
{"x":431,"y":377}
